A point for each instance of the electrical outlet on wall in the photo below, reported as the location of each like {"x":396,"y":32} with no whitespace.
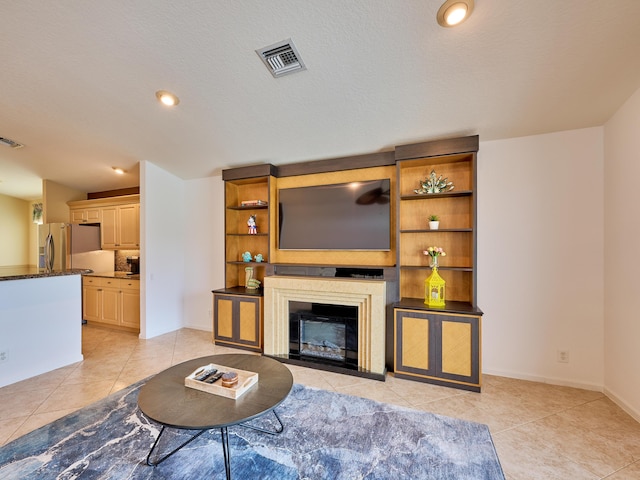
{"x":563,"y":356}
{"x":4,"y":355}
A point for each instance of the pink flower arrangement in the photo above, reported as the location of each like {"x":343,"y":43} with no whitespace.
{"x":434,"y":252}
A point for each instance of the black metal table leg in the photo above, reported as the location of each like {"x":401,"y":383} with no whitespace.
{"x":225,"y":451}
{"x":277,"y":431}
{"x":158,"y":462}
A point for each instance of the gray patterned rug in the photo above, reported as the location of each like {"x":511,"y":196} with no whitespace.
{"x":327,"y":436}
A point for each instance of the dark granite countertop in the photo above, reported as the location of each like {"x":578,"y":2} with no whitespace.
{"x":135,"y":276}
{"x":21,"y":272}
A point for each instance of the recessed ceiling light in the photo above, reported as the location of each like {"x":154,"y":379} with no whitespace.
{"x":167,"y":98}
{"x":454,"y":12}
{"x":119,"y":170}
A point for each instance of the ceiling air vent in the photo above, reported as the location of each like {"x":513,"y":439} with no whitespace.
{"x":10,"y":143}
{"x":281,"y":58}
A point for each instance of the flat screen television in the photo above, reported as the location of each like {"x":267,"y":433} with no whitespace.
{"x":344,"y":216}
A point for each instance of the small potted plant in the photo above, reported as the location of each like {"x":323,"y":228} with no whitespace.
{"x":434,"y":222}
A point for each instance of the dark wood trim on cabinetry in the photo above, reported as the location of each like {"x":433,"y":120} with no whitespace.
{"x":114,"y":193}
{"x":438,"y":147}
{"x":381,"y":159}
{"x":251,"y":171}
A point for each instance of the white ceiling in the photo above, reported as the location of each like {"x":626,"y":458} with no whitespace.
{"x":78,"y":80}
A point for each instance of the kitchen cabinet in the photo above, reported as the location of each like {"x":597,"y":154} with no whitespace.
{"x":441,"y":348}
{"x":119,"y":219}
{"x":112,"y":302}
{"x":237,"y":319}
{"x":91,"y":299}
{"x":85,"y":215}
{"x":120,"y":227}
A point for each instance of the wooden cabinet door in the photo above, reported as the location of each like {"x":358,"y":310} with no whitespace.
{"x":130,"y":308}
{"x":108,"y":228}
{"x":77,"y":216}
{"x":248,"y":324}
{"x":93,"y":215}
{"x":129,"y":226}
{"x":415,"y":351}
{"x":110,"y":306}
{"x":223,"y":318}
{"x":459,"y":344}
{"x":91,"y":302}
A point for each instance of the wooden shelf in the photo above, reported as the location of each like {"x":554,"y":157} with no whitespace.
{"x":240,"y":290}
{"x":439,"y":230}
{"x":450,"y":306}
{"x":249,"y":234}
{"x":250,"y":264}
{"x":422,"y":267}
{"x":249,"y":207}
{"x":427,"y":196}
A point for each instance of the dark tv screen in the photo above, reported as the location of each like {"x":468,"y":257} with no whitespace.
{"x":345,"y":216}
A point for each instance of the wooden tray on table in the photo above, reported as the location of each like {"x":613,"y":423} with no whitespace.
{"x":246,"y":380}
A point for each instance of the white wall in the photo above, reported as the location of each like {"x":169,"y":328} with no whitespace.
{"x":540,"y":262}
{"x":40,"y":325}
{"x":162,"y":238}
{"x":622,"y":231}
{"x":204,"y":249}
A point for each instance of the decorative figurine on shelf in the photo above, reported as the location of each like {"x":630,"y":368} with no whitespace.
{"x":253,"y":284}
{"x":253,"y":230}
{"x":259,"y":258}
{"x":246,"y":257}
{"x":434,"y":184}
{"x":248,"y":276}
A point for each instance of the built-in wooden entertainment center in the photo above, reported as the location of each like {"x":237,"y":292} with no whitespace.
{"x":436,"y":345}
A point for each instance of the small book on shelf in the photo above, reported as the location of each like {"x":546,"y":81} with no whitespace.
{"x":252,"y":203}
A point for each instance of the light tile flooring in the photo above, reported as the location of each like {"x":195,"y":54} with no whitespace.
{"x":540,"y":431}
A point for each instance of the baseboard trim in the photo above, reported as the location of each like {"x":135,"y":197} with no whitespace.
{"x":622,"y":404}
{"x":550,"y":380}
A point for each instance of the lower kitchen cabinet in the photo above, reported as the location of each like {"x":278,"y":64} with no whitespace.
{"x":438,"y":347}
{"x":237,"y":319}
{"x":112,"y":302}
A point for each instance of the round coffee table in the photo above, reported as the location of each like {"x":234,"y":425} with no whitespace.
{"x":166,"y":400}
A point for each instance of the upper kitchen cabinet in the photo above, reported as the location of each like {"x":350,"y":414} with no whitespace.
{"x":119,"y":219}
{"x":120,"y":227}
{"x":86,"y":215}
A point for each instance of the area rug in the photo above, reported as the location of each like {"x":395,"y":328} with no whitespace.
{"x":327,"y":436}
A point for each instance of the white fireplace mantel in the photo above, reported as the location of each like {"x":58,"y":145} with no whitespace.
{"x":368,"y":295}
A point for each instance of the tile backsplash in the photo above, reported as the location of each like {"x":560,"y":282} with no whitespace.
{"x":121,"y":264}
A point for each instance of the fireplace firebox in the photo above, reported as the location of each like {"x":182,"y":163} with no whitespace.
{"x":322,"y":333}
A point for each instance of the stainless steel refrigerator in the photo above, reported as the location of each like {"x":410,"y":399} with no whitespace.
{"x":62,"y":246}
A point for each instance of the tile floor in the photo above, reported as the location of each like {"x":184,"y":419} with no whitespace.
{"x":540,"y":431}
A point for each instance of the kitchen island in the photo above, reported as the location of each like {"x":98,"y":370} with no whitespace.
{"x":40,"y":321}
